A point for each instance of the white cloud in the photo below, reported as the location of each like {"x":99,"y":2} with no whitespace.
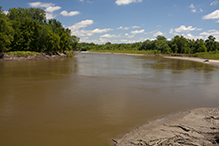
{"x":213,"y":32}
{"x":190,"y":36}
{"x":52,"y":8}
{"x":137,"y":31}
{"x":5,"y":12}
{"x":97,"y":30}
{"x":135,"y":26}
{"x":126,"y":2}
{"x":50,"y":16}
{"x":72,"y":13}
{"x":183,"y":28}
{"x":40,"y":4}
{"x":110,"y":36}
{"x":123,"y":28}
{"x":129,"y":36}
{"x":193,"y":10}
{"x":157,"y":33}
{"x":214,"y":3}
{"x":213,"y":15}
{"x":171,"y":30}
{"x":81,"y":24}
{"x":192,"y":6}
{"x":89,"y":32}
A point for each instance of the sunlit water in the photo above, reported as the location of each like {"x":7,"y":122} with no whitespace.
{"x":92,"y":98}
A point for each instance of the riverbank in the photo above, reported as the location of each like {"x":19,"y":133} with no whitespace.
{"x":196,"y":59}
{"x":19,"y":56}
{"x":193,"y":127}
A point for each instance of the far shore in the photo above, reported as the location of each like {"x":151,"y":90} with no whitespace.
{"x":196,"y":59}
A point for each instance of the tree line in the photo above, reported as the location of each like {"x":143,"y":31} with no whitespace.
{"x":26,"y":29}
{"x":178,"y":44}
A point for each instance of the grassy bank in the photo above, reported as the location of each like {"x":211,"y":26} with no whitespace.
{"x":206,"y":55}
{"x":149,"y":52}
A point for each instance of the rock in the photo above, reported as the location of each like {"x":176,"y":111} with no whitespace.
{"x":194,"y":127}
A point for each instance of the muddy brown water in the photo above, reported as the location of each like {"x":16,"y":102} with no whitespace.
{"x":92,"y":98}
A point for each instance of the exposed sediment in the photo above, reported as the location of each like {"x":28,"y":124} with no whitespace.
{"x":7,"y":57}
{"x":198,"y":127}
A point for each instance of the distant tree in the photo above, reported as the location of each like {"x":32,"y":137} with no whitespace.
{"x":108,"y":43}
{"x":161,"y":38}
{"x":174,"y":48}
{"x":210,"y":43}
{"x":202,"y":48}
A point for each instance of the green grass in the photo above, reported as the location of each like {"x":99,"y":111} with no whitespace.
{"x":70,"y":53}
{"x":207,"y":55}
{"x":125,"y":51}
{"x":22,"y":53}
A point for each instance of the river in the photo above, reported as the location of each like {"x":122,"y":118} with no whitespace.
{"x":91,"y":98}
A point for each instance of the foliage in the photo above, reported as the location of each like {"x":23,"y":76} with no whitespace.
{"x":207,"y":55}
{"x":70,"y":53}
{"x":6,"y":32}
{"x":178,"y":46}
{"x":26,"y":29}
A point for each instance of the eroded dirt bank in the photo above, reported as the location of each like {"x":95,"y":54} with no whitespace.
{"x":6,"y":57}
{"x":197,"y":127}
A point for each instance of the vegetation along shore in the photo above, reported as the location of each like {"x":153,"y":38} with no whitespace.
{"x":27,"y":29}
{"x":27,"y":32}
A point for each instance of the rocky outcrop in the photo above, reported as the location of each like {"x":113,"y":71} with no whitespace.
{"x":198,"y":127}
{"x":32,"y":57}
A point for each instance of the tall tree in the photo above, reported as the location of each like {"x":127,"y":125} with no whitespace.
{"x":6,"y":32}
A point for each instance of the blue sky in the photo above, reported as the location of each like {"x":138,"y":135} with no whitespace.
{"x":128,"y":21}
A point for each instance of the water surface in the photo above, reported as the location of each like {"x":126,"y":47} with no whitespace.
{"x":92,"y":98}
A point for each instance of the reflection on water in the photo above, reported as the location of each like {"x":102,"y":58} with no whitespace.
{"x":91,"y":98}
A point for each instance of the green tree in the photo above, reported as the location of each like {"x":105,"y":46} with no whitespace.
{"x":174,"y":47}
{"x":53,"y":41}
{"x":181,"y":42}
{"x":210,"y":43}
{"x":202,"y":48}
{"x":161,"y":38}
{"x":6,"y":32}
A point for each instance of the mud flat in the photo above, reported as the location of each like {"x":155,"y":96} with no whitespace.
{"x":197,"y":127}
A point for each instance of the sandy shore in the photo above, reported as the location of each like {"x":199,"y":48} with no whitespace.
{"x":209,"y":61}
{"x":201,"y":60}
{"x":198,"y":127}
